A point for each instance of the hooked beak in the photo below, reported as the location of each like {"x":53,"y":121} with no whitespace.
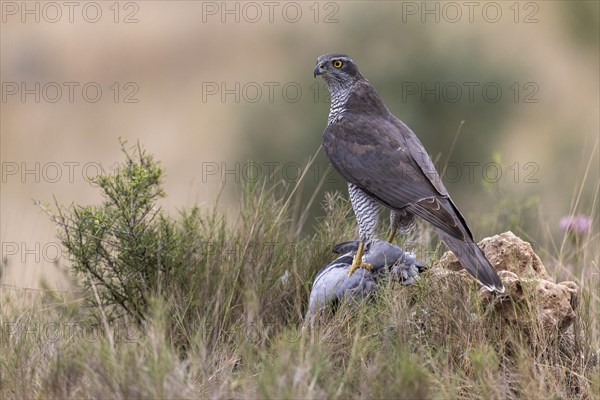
{"x":319,"y":69}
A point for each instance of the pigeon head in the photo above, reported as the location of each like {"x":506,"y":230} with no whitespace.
{"x":337,"y":69}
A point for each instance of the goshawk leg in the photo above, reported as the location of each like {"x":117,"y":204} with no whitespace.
{"x":400,"y":221}
{"x":366,"y":210}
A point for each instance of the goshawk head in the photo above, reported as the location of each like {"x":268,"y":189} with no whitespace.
{"x":337,"y":70}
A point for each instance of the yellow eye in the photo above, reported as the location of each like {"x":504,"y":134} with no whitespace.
{"x":338,"y":64}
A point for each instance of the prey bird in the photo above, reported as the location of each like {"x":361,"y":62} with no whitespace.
{"x":332,"y":284}
{"x":385,"y":164}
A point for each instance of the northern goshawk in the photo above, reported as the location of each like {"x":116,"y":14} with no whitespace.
{"x":385,"y":163}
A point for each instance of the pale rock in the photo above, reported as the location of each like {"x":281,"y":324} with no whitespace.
{"x":529,"y":287}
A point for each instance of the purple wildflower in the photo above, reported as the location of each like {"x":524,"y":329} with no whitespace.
{"x":576,"y":223}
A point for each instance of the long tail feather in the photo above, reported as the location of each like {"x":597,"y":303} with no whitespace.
{"x":474,"y":261}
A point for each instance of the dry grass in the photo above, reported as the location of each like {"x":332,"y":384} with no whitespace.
{"x":226,"y":320}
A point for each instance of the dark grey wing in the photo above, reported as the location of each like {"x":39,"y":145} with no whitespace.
{"x":378,"y":155}
{"x":346,"y":247}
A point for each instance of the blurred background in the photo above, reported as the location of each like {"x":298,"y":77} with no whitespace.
{"x":223,"y":92}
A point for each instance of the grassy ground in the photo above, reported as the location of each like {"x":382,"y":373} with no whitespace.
{"x":197,"y":306}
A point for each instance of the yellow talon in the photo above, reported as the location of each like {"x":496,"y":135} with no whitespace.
{"x":357,"y":262}
{"x":391,"y":236}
